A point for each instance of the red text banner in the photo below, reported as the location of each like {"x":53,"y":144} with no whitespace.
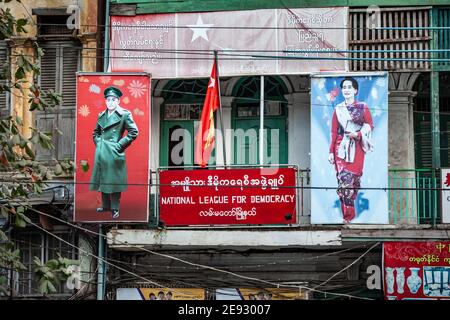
{"x":228,"y":197}
{"x":417,"y":270}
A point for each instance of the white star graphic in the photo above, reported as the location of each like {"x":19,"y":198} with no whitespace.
{"x":198,"y":30}
{"x":212,"y":81}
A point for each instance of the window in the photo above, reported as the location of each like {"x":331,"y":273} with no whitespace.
{"x":246,"y":121}
{"x":58,"y":67}
{"x":181,"y":112}
{"x":45,"y":247}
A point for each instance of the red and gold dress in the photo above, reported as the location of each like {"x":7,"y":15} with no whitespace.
{"x":349,"y":153}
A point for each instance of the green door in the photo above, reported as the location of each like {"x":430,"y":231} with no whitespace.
{"x":246,"y":141}
{"x":246,"y":121}
{"x":177,"y":143}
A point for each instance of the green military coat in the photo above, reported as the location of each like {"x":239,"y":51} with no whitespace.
{"x":109,"y":173}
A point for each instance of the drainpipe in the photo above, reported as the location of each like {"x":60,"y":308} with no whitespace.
{"x":106,"y":46}
{"x":101,"y":276}
{"x":261,"y":122}
{"x":435,"y":123}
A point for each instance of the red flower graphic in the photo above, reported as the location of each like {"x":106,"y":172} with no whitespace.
{"x":447,"y":180}
{"x":333,"y":94}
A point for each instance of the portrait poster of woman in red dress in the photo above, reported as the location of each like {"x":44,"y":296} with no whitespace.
{"x":349,"y":149}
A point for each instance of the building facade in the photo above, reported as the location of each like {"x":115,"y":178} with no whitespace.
{"x":71,"y":41}
{"x":402,"y":46}
{"x":321,"y":261}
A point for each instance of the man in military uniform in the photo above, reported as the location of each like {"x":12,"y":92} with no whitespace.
{"x":109,"y":175}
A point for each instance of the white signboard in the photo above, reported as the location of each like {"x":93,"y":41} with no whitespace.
{"x":253,"y":42}
{"x":445,"y":184}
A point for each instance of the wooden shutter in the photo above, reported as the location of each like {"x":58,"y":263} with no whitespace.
{"x":46,"y":121}
{"x":59,"y":65}
{"x":4,"y":97}
{"x":70,"y":57}
{"x":423,"y":143}
{"x":363,"y":37}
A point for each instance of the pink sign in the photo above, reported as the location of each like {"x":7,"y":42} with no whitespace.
{"x":250,"y":42}
{"x":417,"y":270}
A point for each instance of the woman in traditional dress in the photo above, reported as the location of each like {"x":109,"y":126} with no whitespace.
{"x":351,"y":130}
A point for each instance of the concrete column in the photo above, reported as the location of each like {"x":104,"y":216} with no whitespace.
{"x":402,"y":203}
{"x":401,"y":130}
{"x":299,"y":147}
{"x":19,"y":98}
{"x":155,"y":130}
{"x":299,"y":133}
{"x":89,"y":53}
{"x":226,"y":112}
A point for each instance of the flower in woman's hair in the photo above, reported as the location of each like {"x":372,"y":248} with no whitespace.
{"x":333,"y":94}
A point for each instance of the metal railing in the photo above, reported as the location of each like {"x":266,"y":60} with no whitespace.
{"x":412,"y":195}
{"x":413,"y":198}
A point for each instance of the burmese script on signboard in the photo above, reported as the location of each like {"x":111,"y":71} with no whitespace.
{"x":250,"y":42}
{"x":417,"y":270}
{"x":228,"y":197}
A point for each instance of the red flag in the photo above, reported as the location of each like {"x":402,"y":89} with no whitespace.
{"x":204,"y":141}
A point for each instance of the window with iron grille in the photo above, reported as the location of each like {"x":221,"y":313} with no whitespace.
{"x":46,"y":247}
{"x":52,"y":23}
{"x":376,"y":37}
{"x":442,"y":21}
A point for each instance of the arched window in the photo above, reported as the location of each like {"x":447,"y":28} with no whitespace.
{"x":180,"y":115}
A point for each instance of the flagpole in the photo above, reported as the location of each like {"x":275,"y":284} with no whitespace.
{"x":261,"y":122}
{"x":220,"y":110}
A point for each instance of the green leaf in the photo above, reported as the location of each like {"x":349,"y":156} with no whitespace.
{"x":19,"y":121}
{"x":51,"y":287}
{"x":20,"y":24}
{"x":29,"y":152}
{"x":84,"y":165}
{"x":15,"y":139}
{"x":3,"y":285}
{"x":43,"y":286}
{"x":40,"y":52}
{"x":19,"y":222}
{"x":69,"y":262}
{"x":35,"y":138}
{"x":37,"y":262}
{"x":3,"y":236}
{"x":20,"y":73}
{"x":53,"y":263}
{"x":45,"y":136}
{"x":4,"y":212}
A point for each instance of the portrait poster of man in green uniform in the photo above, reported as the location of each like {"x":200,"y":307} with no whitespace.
{"x":109,"y":175}
{"x":112,"y":148}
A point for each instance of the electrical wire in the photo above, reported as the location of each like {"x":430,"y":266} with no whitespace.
{"x":210,"y":52}
{"x":342,"y":270}
{"x":253,"y":57}
{"x":152,"y":184}
{"x":97,"y":257}
{"x":196,"y":264}
{"x":259,"y":265}
{"x":168,"y":26}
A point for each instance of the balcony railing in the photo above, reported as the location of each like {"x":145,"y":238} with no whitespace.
{"x":413,"y":198}
{"x":412,"y":194}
